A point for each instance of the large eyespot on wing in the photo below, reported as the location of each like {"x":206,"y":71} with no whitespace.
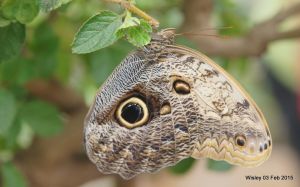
{"x":133,"y":112}
{"x":232,"y":127}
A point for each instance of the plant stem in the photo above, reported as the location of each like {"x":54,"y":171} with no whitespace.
{"x":132,"y":8}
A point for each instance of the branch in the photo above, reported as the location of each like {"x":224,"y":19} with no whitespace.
{"x":132,"y":8}
{"x":288,"y":34}
{"x":281,"y":16}
{"x":197,"y":14}
{"x":254,"y":43}
{"x":52,"y":91}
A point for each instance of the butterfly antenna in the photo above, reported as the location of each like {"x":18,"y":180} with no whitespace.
{"x":205,"y":34}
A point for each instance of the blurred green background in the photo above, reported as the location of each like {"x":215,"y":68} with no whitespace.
{"x":45,"y":91}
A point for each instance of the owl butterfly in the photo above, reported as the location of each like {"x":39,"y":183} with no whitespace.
{"x":165,"y":103}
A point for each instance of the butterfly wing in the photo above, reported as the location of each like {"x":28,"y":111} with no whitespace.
{"x":114,"y":146}
{"x":231,"y":127}
{"x":157,"y":109}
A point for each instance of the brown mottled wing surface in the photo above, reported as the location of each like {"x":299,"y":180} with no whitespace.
{"x":206,"y":121}
{"x":225,"y":112}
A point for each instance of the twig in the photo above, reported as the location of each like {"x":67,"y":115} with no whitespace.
{"x":254,"y":43}
{"x":281,"y":16}
{"x":288,"y":34}
{"x":132,"y":8}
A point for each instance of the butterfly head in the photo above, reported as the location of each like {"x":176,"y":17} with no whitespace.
{"x":164,"y":37}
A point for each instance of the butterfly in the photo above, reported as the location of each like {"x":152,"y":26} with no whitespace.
{"x":165,"y":103}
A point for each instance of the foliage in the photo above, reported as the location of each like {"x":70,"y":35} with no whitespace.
{"x":11,"y":176}
{"x":218,"y":165}
{"x":47,"y":5}
{"x":183,"y":166}
{"x":49,"y":117}
{"x":106,"y":28}
{"x":35,"y":38}
{"x":98,"y":32}
{"x":7,"y":111}
{"x":12,"y":36}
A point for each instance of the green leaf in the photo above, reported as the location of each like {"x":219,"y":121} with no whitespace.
{"x":183,"y":166}
{"x":42,"y":117}
{"x":6,"y":155}
{"x":12,"y":135}
{"x":17,"y":72}
{"x":22,"y":10}
{"x":138,"y":35}
{"x":44,"y":34}
{"x":42,"y":64}
{"x":129,"y":21}
{"x":218,"y":165}
{"x":48,"y":5}
{"x":11,"y":41}
{"x":98,"y":32}
{"x":45,"y":55}
{"x":7,"y":111}
{"x":11,"y":176}
{"x":3,"y":21}
{"x":146,"y":26}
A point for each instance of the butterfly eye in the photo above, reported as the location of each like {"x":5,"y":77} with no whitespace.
{"x":240,"y":140}
{"x":181,"y":87}
{"x":132,"y":113}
